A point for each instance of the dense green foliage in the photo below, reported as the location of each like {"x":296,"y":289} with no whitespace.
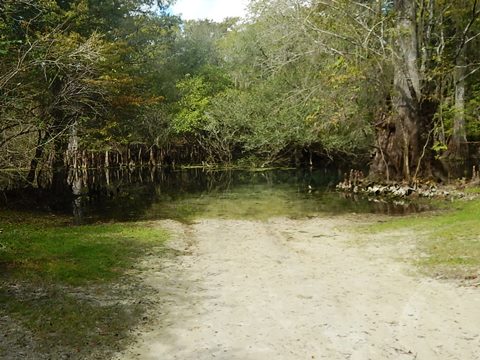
{"x":295,"y":79}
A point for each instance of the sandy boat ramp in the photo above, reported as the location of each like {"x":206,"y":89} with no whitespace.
{"x":299,"y":289}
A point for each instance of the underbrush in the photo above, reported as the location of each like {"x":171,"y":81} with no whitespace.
{"x":68,"y":288}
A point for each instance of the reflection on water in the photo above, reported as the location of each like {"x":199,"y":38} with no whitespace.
{"x":144,"y":194}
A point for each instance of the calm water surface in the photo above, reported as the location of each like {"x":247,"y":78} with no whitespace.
{"x":185,"y":195}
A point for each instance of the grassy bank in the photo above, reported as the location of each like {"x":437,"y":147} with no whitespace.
{"x":449,"y":239}
{"x":65,"y":290}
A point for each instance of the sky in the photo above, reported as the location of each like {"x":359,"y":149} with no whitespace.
{"x":215,"y":10}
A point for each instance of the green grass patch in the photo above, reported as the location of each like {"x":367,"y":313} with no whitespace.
{"x":472,"y":190}
{"x":449,"y":238}
{"x":73,"y":255}
{"x":68,"y":286}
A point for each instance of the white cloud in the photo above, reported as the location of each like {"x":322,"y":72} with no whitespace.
{"x":216,"y":10}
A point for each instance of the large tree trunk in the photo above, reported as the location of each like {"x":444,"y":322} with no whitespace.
{"x":399,"y":150}
{"x":459,"y":136}
{"x":457,"y":152}
{"x":72,"y":147}
{"x":36,"y":158}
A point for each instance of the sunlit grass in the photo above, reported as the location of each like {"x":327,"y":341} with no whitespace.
{"x":473,"y":190}
{"x":73,"y":255}
{"x":450,"y":239}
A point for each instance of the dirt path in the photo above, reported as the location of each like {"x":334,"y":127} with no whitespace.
{"x":298,"y":289}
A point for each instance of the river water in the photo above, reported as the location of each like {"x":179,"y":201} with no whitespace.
{"x":184,"y":195}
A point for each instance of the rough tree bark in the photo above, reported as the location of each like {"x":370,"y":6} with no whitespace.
{"x":399,"y":147}
{"x":457,"y":152}
{"x":73,"y":146}
{"x":39,"y":149}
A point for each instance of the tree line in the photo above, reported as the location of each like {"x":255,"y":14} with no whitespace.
{"x":391,"y":83}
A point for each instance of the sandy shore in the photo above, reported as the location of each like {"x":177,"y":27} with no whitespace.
{"x":299,"y":289}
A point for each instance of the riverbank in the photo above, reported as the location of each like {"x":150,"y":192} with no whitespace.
{"x":447,"y":242}
{"x":317,"y":285}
